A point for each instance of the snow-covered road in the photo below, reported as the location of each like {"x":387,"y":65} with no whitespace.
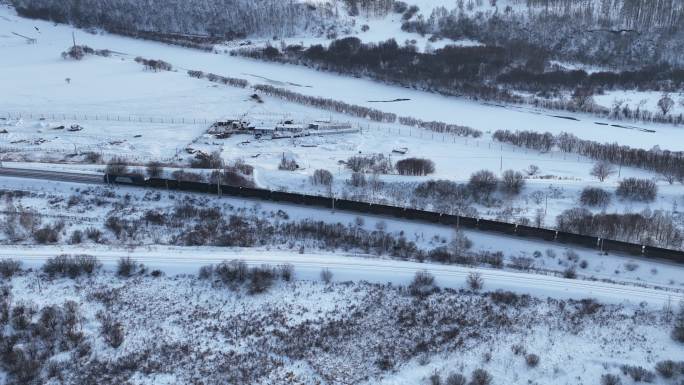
{"x":187,"y":260}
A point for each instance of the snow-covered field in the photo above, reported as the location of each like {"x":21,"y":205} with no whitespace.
{"x":51,"y":94}
{"x":183,"y":329}
{"x":168,"y":325}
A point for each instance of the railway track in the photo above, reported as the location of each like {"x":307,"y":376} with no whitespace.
{"x":51,"y":175}
{"x":366,"y":208}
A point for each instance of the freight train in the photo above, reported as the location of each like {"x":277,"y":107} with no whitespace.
{"x":605,"y":245}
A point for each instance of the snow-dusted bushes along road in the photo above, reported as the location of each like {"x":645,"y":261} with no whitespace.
{"x":184,"y":260}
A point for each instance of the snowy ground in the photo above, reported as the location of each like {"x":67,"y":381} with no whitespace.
{"x":26,"y":89}
{"x":142,"y":116}
{"x":180,"y":329}
{"x":82,"y":207}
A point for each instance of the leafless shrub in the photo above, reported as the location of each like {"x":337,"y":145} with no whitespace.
{"x":509,"y":298}
{"x":594,"y":197}
{"x":71,"y":266}
{"x":455,"y":379}
{"x":76,"y":237}
{"x":233,"y":272}
{"x":637,"y":189}
{"x":423,"y":285}
{"x":668,"y":368}
{"x":638,"y":373}
{"x":154,"y":65}
{"x":322,"y":177}
{"x":610,"y":379}
{"x":93,"y":234}
{"x":512,"y":182}
{"x":286,"y":272}
{"x":415,"y":166}
{"x":261,"y":278}
{"x":111,"y":330}
{"x":678,"y":330}
{"x":287,"y":164}
{"x":375,"y":163}
{"x":518,"y":350}
{"x":532,"y":360}
{"x":475,"y":281}
{"x":482,"y":184}
{"x":92,"y":157}
{"x":154,"y":169}
{"x":522,"y":263}
{"x":47,"y":234}
{"x":480,"y":377}
{"x":570,"y":272}
{"x":327,"y":104}
{"x":117,"y":166}
{"x":206,"y":272}
{"x":326,"y":275}
{"x":631,"y":266}
{"x":21,"y":315}
{"x":196,"y":74}
{"x":76,"y":52}
{"x":9,"y":267}
{"x":185,"y":176}
{"x":357,"y":179}
{"x":127,"y":267}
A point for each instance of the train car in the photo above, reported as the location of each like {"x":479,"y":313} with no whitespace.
{"x":577,"y":239}
{"x":619,"y":246}
{"x":535,"y":232}
{"x":401,"y":212}
{"x":660,"y":253}
{"x":393,"y":211}
{"x":486,"y":224}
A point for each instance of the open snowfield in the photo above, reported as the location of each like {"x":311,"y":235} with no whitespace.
{"x":309,"y":332}
{"x":26,"y":88}
{"x":311,"y":295}
{"x":142,"y":116}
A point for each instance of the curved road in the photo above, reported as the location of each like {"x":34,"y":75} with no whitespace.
{"x":179,"y":260}
{"x":187,"y":260}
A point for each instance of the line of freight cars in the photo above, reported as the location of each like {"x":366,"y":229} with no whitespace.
{"x":606,"y":245}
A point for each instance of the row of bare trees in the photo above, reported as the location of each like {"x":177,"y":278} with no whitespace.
{"x":648,"y":227}
{"x":668,"y":163}
{"x":327,"y":104}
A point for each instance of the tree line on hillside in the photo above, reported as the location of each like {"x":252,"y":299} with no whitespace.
{"x":619,"y":33}
{"x":482,"y":72}
{"x":223,"y":18}
{"x":648,"y":227}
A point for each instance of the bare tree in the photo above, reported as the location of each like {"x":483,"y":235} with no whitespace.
{"x":326,"y":275}
{"x":322,"y":177}
{"x":154,"y":169}
{"x":512,"y":182}
{"x":483,"y":183}
{"x":602,"y":170}
{"x":475,"y":281}
{"x":665,"y":103}
{"x":117,"y":166}
{"x":583,"y":97}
